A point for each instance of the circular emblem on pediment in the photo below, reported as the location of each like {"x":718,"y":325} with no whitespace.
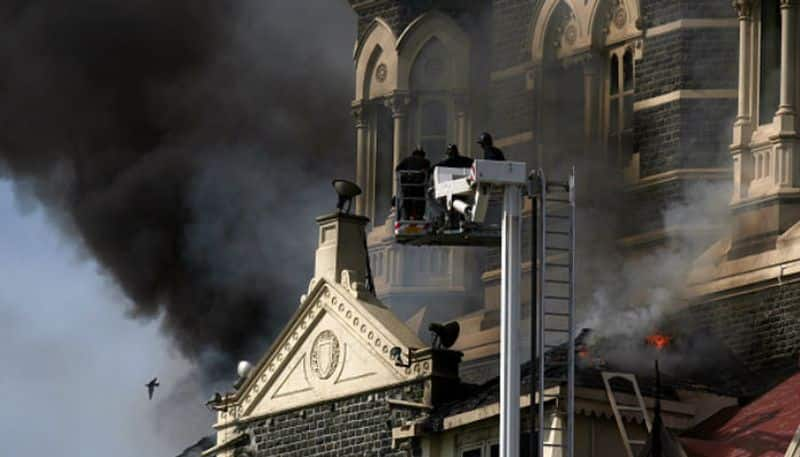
{"x":325,"y":354}
{"x":381,"y":72}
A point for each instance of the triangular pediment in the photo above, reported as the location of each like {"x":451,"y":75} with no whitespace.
{"x":337,"y":344}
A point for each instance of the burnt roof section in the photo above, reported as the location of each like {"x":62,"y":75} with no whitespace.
{"x":695,"y":362}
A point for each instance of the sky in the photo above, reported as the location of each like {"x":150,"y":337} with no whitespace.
{"x":154,"y":166}
{"x":73,"y":365}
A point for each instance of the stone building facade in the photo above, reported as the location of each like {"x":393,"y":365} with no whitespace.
{"x":640,"y":95}
{"x":647,"y":98}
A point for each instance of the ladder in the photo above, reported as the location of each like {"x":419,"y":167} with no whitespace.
{"x":555,"y":318}
{"x":618,"y":408}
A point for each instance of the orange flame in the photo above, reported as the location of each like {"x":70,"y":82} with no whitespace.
{"x":660,"y":341}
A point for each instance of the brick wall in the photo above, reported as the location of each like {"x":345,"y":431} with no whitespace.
{"x":657,"y":12}
{"x":511,"y":22}
{"x":355,"y":426}
{"x":690,"y":133}
{"x":688,"y":59}
{"x":511,"y":108}
{"x":762,"y":328}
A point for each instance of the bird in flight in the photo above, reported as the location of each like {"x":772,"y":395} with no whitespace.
{"x":151,"y":387}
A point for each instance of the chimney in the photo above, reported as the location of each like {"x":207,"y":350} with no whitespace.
{"x":342,"y":246}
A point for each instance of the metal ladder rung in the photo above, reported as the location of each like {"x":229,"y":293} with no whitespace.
{"x":556,"y":281}
{"x":548,"y":313}
{"x":635,"y":409}
{"x":555,"y":301}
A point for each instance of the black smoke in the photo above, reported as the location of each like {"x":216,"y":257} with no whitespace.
{"x":186,"y":146}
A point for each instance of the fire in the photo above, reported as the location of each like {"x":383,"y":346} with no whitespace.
{"x":659,"y":340}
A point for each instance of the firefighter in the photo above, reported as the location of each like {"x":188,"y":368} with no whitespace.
{"x":454,"y":159}
{"x":489,"y":151}
{"x":413,"y":177}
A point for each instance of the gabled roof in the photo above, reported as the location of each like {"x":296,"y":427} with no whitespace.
{"x":337,"y":343}
{"x":763,"y":428}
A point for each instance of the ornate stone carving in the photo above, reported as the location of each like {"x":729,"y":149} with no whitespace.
{"x":788,"y":3}
{"x":359,"y":115}
{"x":398,"y":102}
{"x":744,"y":8}
{"x":351,"y":281}
{"x":381,"y":72}
{"x":620,"y":17}
{"x":325,"y":352}
{"x":571,"y":34}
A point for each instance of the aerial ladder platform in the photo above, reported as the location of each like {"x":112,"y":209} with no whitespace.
{"x":482,"y":206}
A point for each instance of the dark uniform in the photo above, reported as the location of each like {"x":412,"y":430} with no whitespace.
{"x":489,"y":151}
{"x":412,"y":185}
{"x":454,"y":159}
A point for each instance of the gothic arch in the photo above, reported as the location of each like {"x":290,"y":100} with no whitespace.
{"x":433,"y":26}
{"x":376,"y":62}
{"x":587,"y":26}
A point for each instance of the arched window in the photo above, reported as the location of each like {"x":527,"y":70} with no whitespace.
{"x":770,"y":61}
{"x":433,"y":126}
{"x":430,"y":82}
{"x":620,"y":105}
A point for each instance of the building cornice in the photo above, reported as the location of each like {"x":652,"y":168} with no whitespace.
{"x":682,"y":174}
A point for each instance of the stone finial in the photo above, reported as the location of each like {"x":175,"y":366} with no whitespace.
{"x":341,"y":247}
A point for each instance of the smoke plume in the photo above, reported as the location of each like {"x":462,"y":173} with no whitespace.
{"x":186,"y":145}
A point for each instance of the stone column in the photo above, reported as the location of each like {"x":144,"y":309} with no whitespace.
{"x":398,"y":102}
{"x":785,"y":142}
{"x":786,"y":108}
{"x":461,"y":103}
{"x":362,"y":130}
{"x":742,"y":128}
{"x":591,"y":118}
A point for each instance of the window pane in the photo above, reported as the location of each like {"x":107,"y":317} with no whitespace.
{"x":434,"y":119}
{"x":613,"y":78}
{"x":434,"y":148}
{"x":613,"y":116}
{"x":627,"y":113}
{"x":471,"y":453}
{"x":495,"y":451}
{"x":770,"y":60}
{"x":627,"y":70}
